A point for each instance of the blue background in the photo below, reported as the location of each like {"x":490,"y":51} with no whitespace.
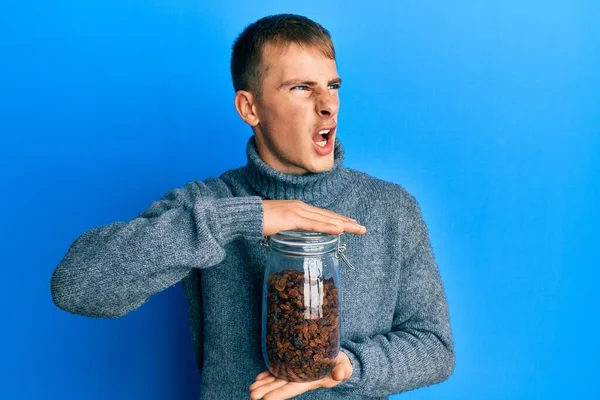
{"x":488,"y":112}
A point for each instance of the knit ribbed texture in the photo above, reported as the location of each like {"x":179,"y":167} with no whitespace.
{"x":320,"y":190}
{"x":394,"y":316}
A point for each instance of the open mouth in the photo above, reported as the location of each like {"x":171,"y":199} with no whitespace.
{"x":322,"y":137}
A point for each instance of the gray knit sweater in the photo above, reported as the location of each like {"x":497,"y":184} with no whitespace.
{"x":394,"y":316}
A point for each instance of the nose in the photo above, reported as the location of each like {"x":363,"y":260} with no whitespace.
{"x":328,"y":104}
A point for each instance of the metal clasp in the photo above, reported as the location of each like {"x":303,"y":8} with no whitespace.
{"x":340,"y":252}
{"x":265,"y":241}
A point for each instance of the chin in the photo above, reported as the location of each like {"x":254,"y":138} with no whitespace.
{"x":321,"y":167}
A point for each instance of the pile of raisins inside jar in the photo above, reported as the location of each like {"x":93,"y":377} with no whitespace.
{"x":302,"y":333}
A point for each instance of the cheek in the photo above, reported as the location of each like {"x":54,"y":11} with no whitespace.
{"x":288,"y":118}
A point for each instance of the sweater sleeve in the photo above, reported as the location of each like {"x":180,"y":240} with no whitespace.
{"x":418,"y":351}
{"x":111,"y":270}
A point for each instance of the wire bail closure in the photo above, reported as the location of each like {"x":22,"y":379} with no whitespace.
{"x":265,"y":242}
{"x":340,"y":252}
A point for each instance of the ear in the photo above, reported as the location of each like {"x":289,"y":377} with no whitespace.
{"x":245,"y":104}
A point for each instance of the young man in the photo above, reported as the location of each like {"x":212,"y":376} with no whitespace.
{"x":395,"y":327}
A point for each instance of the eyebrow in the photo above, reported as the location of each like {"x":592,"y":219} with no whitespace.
{"x":297,"y":81}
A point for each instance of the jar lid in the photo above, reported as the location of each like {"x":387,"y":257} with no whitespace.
{"x":302,"y":238}
{"x":312,"y":243}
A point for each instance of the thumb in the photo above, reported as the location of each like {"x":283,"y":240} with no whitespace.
{"x":340,"y":372}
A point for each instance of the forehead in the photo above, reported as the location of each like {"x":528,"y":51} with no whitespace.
{"x":295,"y":61}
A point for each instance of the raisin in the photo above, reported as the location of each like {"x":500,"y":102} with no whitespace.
{"x":302,"y":340}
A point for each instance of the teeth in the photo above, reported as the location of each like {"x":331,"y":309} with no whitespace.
{"x":322,"y":144}
{"x":324,"y":131}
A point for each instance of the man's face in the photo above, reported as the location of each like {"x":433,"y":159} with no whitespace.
{"x":299,"y":99}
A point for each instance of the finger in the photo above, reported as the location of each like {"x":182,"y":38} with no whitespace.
{"x":325,"y":212}
{"x":263,"y":374}
{"x":343,"y":221}
{"x":340,"y":373}
{"x":356,"y":228}
{"x":261,"y":382}
{"x":319,"y":225}
{"x":346,"y":226}
{"x":313,"y":225}
{"x":269,"y":387}
{"x":292,"y":389}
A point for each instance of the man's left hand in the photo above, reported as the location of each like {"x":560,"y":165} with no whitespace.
{"x":268,"y":387}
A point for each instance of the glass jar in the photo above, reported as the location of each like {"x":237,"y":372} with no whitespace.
{"x":301,"y":304}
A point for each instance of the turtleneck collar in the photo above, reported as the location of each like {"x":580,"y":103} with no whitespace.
{"x":317,"y":189}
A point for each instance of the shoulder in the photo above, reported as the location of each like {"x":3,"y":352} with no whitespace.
{"x":381,"y":192}
{"x":222,"y":186}
{"x":388,"y":206}
{"x":218,"y":187}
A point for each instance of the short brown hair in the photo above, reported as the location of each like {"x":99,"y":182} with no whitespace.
{"x":279,"y":30}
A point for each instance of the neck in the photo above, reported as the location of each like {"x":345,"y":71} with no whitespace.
{"x":318,"y":189}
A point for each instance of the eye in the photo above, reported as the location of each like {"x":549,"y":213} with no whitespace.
{"x":300,"y":87}
{"x":335,"y":86}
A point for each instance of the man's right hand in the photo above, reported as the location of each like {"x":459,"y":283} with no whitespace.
{"x":286,"y":215}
